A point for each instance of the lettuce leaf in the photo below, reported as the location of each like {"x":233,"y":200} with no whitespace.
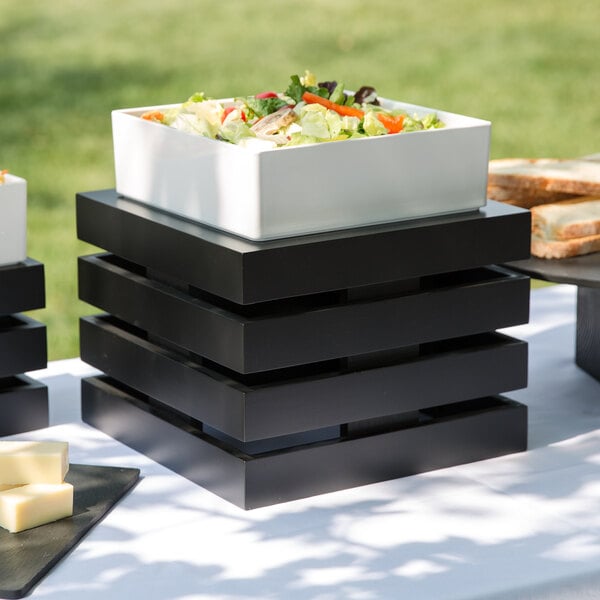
{"x":338,"y":95}
{"x":262,"y":107}
{"x":296,"y":89}
{"x":313,"y":120}
{"x":416,"y":123}
{"x":191,"y":123}
{"x":372,"y":125}
{"x":234,"y":130}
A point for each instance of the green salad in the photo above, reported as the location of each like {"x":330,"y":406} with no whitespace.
{"x":307,"y":112}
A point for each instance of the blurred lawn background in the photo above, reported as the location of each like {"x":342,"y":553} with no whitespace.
{"x":531,"y":68}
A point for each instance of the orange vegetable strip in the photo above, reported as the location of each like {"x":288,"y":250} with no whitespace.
{"x":340,"y":109}
{"x":391,"y":123}
{"x":154,"y":115}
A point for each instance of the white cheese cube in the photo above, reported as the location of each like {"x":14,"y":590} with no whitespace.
{"x":35,"y":504}
{"x":33,"y":462}
{"x":7,"y":486}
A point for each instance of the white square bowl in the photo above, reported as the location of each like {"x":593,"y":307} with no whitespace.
{"x":266,"y":194}
{"x":13,"y":220}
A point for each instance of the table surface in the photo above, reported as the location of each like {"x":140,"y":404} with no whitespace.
{"x":520,"y":527}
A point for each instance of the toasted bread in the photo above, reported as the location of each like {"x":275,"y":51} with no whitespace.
{"x":543,"y":248}
{"x":567,"y":220}
{"x":568,"y":176}
{"x":525,"y":197}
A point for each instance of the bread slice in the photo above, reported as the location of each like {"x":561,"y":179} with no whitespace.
{"x":525,"y":197}
{"x":543,"y":248}
{"x":569,"y":176}
{"x":567,"y":220}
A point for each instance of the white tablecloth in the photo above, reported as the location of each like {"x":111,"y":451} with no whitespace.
{"x":521,"y":527}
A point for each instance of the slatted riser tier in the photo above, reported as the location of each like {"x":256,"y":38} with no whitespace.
{"x":454,"y":434}
{"x":306,"y":398}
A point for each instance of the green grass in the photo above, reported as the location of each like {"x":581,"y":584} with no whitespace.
{"x":536,"y":284}
{"x":531,"y":68}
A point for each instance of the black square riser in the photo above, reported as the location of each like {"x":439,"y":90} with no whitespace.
{"x":271,"y":371}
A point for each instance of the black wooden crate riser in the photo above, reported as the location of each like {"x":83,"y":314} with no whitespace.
{"x":22,"y":287}
{"x":449,"y":436}
{"x":23,"y":405}
{"x":23,"y":345}
{"x":295,"y":400}
{"x":587,"y":346}
{"x":270,"y":371}
{"x":247,"y":272}
{"x":294,"y":333}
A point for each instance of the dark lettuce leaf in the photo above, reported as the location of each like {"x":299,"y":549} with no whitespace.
{"x":331,"y":90}
{"x":328,"y":85}
{"x":366,"y":95}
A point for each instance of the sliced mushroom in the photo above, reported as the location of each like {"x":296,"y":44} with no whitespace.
{"x":272,"y":123}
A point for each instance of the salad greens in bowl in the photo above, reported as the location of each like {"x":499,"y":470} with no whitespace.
{"x":307,"y":112}
{"x":255,"y":166}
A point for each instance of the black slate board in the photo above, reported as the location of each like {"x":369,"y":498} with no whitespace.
{"x":26,"y":557}
{"x":578,"y":270}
